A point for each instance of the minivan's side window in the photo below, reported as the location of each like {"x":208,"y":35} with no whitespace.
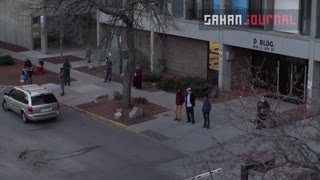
{"x":20,"y":96}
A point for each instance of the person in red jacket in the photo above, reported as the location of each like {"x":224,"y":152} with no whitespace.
{"x":137,"y":78}
{"x":179,"y":103}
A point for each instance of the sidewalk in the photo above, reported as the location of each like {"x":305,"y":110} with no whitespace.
{"x":184,"y":137}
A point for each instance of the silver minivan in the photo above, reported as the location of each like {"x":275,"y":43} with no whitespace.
{"x":32,"y":102}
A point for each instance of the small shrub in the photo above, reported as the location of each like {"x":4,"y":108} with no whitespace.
{"x":202,"y":90}
{"x":151,"y":77}
{"x":117,"y":95}
{"x":167,"y":84}
{"x":140,"y":100}
{"x":6,"y":60}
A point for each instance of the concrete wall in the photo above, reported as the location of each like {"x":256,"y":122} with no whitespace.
{"x":15,"y":25}
{"x":186,"y":57}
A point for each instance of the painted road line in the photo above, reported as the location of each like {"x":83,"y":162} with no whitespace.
{"x":102,"y":118}
{"x":200,"y":176}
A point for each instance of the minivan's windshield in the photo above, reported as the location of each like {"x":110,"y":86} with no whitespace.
{"x":43,"y":99}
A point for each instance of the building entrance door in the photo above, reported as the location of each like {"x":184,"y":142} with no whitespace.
{"x":279,"y":74}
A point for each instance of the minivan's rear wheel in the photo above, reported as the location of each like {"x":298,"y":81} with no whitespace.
{"x":24,"y":117}
{"x":5,"y":105}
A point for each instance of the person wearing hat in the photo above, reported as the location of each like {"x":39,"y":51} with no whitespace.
{"x":190,"y":103}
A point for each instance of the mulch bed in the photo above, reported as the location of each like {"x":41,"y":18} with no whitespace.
{"x":106,"y":108}
{"x":11,"y":47}
{"x":10,"y":75}
{"x":116,"y":77}
{"x":59,"y":60}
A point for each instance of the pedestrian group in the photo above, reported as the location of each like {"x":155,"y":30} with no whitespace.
{"x":64,"y":74}
{"x":189,"y":100}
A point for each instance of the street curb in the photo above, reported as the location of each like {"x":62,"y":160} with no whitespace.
{"x":102,"y":118}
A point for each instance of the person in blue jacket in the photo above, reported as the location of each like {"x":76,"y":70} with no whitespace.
{"x":206,"y":108}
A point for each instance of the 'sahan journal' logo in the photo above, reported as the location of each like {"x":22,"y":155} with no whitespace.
{"x":251,"y":20}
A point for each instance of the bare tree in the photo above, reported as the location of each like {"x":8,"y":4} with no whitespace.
{"x":129,"y":15}
{"x":286,"y":147}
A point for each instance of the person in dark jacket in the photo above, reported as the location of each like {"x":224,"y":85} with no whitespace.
{"x":27,"y":64}
{"x":108,"y":70}
{"x":262,"y":108}
{"x":190,"y":104}
{"x":179,"y":103}
{"x":66,"y":69}
{"x":206,"y":108}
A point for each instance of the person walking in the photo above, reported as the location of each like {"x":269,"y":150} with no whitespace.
{"x":66,"y":69}
{"x":179,"y":103}
{"x":206,"y":108}
{"x":263,"y":108}
{"x":137,"y":78}
{"x":27,"y":64}
{"x":62,"y":80}
{"x":29,"y":71}
{"x":190,"y":104}
{"x":108,"y":70}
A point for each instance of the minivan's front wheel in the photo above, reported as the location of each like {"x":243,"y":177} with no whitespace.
{"x":24,"y":117}
{"x":5,"y":105}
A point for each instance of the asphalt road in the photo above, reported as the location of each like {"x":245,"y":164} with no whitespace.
{"x":77,"y":146}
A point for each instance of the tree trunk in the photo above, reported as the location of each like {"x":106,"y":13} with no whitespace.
{"x":61,"y":43}
{"x":126,"y":101}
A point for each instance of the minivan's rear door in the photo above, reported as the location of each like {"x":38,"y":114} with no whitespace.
{"x":44,"y":103}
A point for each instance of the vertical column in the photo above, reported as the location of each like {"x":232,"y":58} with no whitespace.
{"x":152,"y":51}
{"x":43,"y":35}
{"x":224,"y":64}
{"x":313,"y":93}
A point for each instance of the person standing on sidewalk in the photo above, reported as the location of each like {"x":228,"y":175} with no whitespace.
{"x":190,"y":103}
{"x":179,"y":103}
{"x":137,"y":78}
{"x":206,"y":108}
{"x":62,"y":81}
{"x":66,"y":69}
{"x":108,"y":70}
{"x":29,"y":71}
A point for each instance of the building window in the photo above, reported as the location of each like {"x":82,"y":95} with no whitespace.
{"x":198,"y":8}
{"x":256,"y":8}
{"x":291,"y":8}
{"x":240,"y":7}
{"x":318,"y":20}
{"x":177,"y":8}
{"x":305,"y":16}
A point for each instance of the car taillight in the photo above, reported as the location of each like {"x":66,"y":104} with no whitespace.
{"x":58,"y":105}
{"x":30,"y":109}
